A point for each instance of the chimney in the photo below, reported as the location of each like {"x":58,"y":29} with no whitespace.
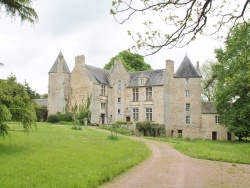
{"x":170,"y":67}
{"x":80,"y":61}
{"x":197,"y":66}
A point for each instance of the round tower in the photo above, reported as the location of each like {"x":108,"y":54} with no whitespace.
{"x":59,"y":86}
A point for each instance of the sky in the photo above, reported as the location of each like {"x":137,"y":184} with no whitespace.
{"x":78,"y":27}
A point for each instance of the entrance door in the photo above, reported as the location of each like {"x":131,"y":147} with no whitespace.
{"x":128,"y":119}
{"x":229,"y":136}
{"x":214,"y":135}
{"x":103,"y":118}
{"x":172,"y":133}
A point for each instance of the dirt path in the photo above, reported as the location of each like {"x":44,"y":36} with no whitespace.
{"x":169,"y":168}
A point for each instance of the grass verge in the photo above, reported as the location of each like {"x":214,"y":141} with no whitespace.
{"x":58,"y":156}
{"x":227,"y":151}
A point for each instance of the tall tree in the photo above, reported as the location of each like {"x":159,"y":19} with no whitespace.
{"x":233,"y":81}
{"x":208,"y":83}
{"x":19,"y":8}
{"x":132,"y":62}
{"x":32,"y":93}
{"x":15,"y":105}
{"x":181,"y":20}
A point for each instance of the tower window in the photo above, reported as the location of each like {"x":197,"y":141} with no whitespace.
{"x":187,"y":107}
{"x":187,"y":119}
{"x":217,"y":119}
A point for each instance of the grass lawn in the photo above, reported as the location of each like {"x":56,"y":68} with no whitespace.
{"x":227,"y":151}
{"x":57,"y":156}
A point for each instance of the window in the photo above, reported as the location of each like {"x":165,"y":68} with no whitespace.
{"x":142,"y":81}
{"x":119,"y":84}
{"x":103,"y":105}
{"x":148,"y":93}
{"x":187,"y":119}
{"x":119,"y":99}
{"x":119,"y":111}
{"x":187,"y":93}
{"x":135,"y":94}
{"x":217,"y":119}
{"x":187,"y":80}
{"x":136,"y":114}
{"x":149,"y":114}
{"x":103,"y":90}
{"x":187,"y":107}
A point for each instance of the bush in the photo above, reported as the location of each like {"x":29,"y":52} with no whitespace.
{"x":76,"y":127}
{"x":53,"y":118}
{"x":65,"y":117}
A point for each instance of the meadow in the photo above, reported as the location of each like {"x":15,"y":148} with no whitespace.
{"x":58,"y":156}
{"x":226,"y":151}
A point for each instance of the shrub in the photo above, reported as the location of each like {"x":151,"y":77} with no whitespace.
{"x":53,"y":118}
{"x":76,"y":127}
{"x":65,"y":117}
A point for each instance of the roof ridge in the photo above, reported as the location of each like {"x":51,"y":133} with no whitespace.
{"x":97,"y":67}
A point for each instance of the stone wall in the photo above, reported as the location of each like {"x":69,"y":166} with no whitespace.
{"x":209,"y":125}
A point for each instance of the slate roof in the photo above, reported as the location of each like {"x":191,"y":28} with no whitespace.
{"x":155,"y":77}
{"x":97,"y":75}
{"x":186,"y":70}
{"x":41,"y":102}
{"x":208,"y":108}
{"x":65,"y":66}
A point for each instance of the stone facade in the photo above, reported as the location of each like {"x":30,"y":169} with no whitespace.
{"x":162,"y":96}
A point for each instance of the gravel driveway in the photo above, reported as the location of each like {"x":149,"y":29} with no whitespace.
{"x":167,"y":167}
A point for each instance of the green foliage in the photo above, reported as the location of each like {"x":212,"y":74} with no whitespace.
{"x":131,"y":62}
{"x":75,"y":127}
{"x":53,"y":118}
{"x":41,"y":113}
{"x":233,"y":87}
{"x":124,"y":123}
{"x":150,"y":129}
{"x":32,"y":93}
{"x":85,"y":112}
{"x":208,"y":82}
{"x":15,"y":104}
{"x":20,"y":8}
{"x":83,"y":158}
{"x":65,"y":117}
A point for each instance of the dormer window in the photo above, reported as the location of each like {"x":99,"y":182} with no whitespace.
{"x":142,"y":79}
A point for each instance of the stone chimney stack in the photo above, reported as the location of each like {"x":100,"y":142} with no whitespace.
{"x":170,"y":67}
{"x":80,"y":61}
{"x":197,"y":66}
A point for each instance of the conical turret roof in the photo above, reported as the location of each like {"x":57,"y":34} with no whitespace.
{"x":186,"y":70}
{"x":65,"y":67}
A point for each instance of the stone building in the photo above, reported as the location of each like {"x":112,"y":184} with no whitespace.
{"x":162,"y":96}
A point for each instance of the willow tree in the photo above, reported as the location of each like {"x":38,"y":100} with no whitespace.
{"x":19,"y":8}
{"x":15,"y":105}
{"x":171,"y":23}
